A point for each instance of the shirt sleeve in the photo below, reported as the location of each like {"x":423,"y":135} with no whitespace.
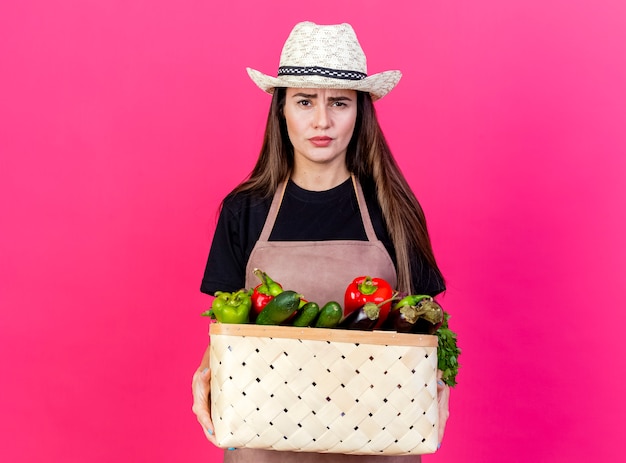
{"x":225,"y":268}
{"x":426,"y":280}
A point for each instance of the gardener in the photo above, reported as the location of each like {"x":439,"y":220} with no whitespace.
{"x":325,"y":202}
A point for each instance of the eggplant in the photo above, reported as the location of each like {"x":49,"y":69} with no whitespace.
{"x":412,"y":315}
{"x":430,"y":317}
{"x":364,"y":318}
{"x":401,"y":319}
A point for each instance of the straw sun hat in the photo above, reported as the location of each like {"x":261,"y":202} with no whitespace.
{"x":317,"y":56}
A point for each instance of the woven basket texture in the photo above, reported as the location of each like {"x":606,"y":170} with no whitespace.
{"x":341,"y":394}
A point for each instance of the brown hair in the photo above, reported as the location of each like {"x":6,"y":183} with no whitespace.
{"x":370,"y":160}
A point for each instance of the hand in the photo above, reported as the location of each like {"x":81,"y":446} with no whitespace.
{"x":201,"y":388}
{"x":443,"y":398}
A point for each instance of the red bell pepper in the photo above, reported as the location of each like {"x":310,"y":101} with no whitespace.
{"x":367,"y":289}
{"x":265,"y":291}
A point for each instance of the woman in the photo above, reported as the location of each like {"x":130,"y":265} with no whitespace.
{"x":325,"y":202}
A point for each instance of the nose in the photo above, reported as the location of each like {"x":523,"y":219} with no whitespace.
{"x":322,"y":117}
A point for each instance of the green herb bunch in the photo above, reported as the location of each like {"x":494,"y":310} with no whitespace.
{"x":448,"y":352}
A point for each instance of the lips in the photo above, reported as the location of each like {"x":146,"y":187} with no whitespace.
{"x":321,"y":141}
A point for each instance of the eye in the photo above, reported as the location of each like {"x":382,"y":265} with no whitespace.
{"x":338,"y":104}
{"x":304,"y":102}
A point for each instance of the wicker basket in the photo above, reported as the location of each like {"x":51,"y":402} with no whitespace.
{"x":323,"y":390}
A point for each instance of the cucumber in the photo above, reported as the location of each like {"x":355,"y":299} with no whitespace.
{"x":307,"y":314}
{"x":279,"y":309}
{"x":330,"y":315}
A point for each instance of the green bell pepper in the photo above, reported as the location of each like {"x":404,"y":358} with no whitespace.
{"x":411,"y":300}
{"x":231,"y":307}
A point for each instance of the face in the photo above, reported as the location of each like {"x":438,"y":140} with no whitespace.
{"x":320,"y":123}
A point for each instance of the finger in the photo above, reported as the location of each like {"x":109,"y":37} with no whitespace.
{"x":208,"y":433}
{"x":443,"y":401}
{"x":201,"y":387}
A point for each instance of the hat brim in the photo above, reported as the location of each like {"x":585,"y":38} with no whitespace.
{"x":377,"y":85}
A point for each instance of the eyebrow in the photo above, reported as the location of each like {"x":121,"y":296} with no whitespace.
{"x":314,"y":95}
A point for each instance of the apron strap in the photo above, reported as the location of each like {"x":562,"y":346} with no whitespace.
{"x":278,"y":199}
{"x":273,"y":213}
{"x":365,"y":214}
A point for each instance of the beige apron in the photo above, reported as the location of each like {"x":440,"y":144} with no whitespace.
{"x":321,"y":271}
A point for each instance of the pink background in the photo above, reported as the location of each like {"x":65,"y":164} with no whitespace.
{"x":123,"y":124}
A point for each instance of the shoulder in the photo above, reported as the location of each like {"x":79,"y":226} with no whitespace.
{"x":237,"y":203}
{"x":369,"y":192}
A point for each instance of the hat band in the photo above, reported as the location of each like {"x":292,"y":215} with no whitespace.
{"x":319,"y":71}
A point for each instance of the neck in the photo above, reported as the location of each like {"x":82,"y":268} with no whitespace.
{"x":319,"y":178}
